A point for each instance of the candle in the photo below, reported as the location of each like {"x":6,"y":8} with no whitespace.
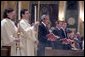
{"x":35,"y":13}
{"x":19,"y":8}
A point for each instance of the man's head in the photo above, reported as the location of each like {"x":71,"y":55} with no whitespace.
{"x":24,"y":14}
{"x":45,"y":19}
{"x":78,"y":34}
{"x":9,"y":13}
{"x":59,"y":24}
{"x":64,"y":25}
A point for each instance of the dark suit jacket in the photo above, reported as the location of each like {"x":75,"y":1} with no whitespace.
{"x":58,"y":43}
{"x":42,"y":32}
{"x":57,"y":32}
{"x":64,"y":33}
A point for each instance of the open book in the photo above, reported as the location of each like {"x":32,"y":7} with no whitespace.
{"x":52,"y":37}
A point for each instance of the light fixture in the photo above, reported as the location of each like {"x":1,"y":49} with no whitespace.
{"x":82,"y":15}
{"x":61,"y":16}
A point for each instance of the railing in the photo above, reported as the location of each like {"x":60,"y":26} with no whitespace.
{"x":55,"y":52}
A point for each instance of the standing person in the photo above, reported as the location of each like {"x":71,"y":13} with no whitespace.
{"x":28,"y":36}
{"x":9,"y":30}
{"x":57,"y":31}
{"x":64,"y":29}
{"x":64,"y":35}
{"x":42,"y":32}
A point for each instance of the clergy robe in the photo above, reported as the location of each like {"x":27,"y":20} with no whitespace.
{"x":83,"y":45}
{"x":8,"y":34}
{"x":28,"y":37}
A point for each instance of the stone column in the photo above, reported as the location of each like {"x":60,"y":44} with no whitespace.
{"x":81,"y":18}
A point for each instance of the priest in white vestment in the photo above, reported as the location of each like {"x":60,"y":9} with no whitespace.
{"x":9,"y":30}
{"x":27,"y":34}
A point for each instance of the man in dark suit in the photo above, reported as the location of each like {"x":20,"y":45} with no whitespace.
{"x":64,"y":35}
{"x":64,"y":29}
{"x":42,"y":32}
{"x":57,"y":31}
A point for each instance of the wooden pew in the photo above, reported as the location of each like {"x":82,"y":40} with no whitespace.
{"x":5,"y":51}
{"x":54,"y":52}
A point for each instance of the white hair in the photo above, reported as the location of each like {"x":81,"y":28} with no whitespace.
{"x":43,"y":16}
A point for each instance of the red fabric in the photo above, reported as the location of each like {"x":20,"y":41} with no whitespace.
{"x":66,"y":41}
{"x":51,"y":37}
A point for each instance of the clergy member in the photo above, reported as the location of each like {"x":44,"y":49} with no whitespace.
{"x":28,"y":36}
{"x":9,"y":30}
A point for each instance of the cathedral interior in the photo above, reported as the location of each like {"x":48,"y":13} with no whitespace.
{"x":70,"y":11}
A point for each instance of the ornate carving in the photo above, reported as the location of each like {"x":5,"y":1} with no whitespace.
{"x":71,"y":21}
